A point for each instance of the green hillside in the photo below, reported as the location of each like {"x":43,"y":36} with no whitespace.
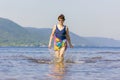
{"x":12,"y":34}
{"x":10,"y":30}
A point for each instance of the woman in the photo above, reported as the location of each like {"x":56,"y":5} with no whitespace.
{"x":60,"y":34}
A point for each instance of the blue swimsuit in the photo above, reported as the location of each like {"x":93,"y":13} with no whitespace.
{"x":60,"y":38}
{"x":61,"y":34}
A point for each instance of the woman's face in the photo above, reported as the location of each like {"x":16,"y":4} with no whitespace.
{"x":61,"y":21}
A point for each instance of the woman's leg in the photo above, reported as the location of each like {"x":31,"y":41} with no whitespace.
{"x":62,"y":51}
{"x":61,"y":55}
{"x":57,"y":53}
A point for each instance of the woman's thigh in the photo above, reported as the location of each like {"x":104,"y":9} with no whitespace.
{"x":62,"y":51}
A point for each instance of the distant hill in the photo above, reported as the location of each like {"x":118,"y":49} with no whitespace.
{"x":44,"y":33}
{"x":10,"y":30}
{"x":12,"y":34}
{"x":103,"y":42}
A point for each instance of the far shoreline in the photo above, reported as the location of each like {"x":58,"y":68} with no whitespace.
{"x":47,"y":47}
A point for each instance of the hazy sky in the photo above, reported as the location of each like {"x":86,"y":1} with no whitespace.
{"x":87,"y":18}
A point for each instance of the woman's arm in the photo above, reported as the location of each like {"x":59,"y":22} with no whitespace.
{"x":51,"y":36}
{"x":68,"y":37}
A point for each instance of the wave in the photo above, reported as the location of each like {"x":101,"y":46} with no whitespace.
{"x":49,"y":60}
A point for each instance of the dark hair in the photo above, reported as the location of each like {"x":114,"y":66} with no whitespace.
{"x":61,"y":16}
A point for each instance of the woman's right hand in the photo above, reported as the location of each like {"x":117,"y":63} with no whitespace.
{"x":49,"y":46}
{"x":71,"y":46}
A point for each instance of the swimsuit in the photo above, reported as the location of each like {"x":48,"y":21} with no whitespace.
{"x":60,"y":39}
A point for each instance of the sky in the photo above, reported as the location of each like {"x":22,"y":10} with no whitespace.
{"x":86,"y":18}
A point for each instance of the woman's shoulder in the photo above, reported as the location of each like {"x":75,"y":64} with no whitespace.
{"x":54,"y":27}
{"x":66,"y":27}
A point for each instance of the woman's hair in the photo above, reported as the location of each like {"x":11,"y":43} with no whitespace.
{"x":61,"y":16}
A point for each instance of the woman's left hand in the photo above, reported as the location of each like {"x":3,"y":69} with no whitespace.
{"x":71,"y":46}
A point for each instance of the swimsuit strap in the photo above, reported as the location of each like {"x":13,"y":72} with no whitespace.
{"x":63,"y":29}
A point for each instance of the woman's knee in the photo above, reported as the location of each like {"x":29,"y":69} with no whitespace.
{"x":62,"y":51}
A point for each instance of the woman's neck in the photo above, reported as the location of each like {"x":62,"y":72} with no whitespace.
{"x":60,"y":25}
